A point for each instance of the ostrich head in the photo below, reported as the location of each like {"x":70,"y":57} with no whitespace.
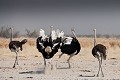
{"x":48,"y":49}
{"x":104,"y":57}
{"x":11,"y":37}
{"x":23,"y":41}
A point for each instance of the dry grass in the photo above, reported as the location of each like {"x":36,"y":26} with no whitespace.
{"x":5,"y":42}
{"x":85,"y":42}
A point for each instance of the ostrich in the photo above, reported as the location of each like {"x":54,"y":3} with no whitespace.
{"x":43,"y":45}
{"x":48,"y":46}
{"x":99,"y":52}
{"x":70,"y":46}
{"x":14,"y":46}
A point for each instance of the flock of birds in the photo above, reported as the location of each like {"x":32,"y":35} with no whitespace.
{"x":48,"y":46}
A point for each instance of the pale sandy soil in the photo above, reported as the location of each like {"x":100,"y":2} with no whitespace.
{"x":83,"y":66}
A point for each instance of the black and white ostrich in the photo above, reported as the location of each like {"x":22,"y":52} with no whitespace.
{"x":48,"y":46}
{"x":99,"y":52}
{"x":70,"y":46}
{"x":15,"y":46}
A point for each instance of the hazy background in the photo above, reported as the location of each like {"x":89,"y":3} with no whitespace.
{"x":83,"y":15}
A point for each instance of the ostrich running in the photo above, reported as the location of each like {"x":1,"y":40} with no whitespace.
{"x":99,"y":52}
{"x":70,"y":46}
{"x":48,"y":46}
{"x":14,"y":46}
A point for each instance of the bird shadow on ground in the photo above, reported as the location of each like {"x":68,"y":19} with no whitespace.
{"x":62,"y":68}
{"x":42,"y":71}
{"x":6,"y":68}
{"x":86,"y":75}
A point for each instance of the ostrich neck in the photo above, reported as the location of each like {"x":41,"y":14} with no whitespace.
{"x":11,"y":36}
{"x":73,"y":34}
{"x":94,"y":41}
{"x":94,"y":37}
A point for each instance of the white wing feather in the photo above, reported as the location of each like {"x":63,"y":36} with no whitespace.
{"x":68,"y":40}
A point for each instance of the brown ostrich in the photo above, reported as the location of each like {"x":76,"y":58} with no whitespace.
{"x":14,"y":46}
{"x":99,"y":52}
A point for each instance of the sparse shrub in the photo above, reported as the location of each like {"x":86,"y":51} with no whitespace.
{"x":5,"y":32}
{"x":112,"y":44}
{"x":31,"y":34}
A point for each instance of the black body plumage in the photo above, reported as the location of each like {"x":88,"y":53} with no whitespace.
{"x":71,"y":48}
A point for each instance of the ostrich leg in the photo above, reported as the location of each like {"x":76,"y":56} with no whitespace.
{"x":60,"y":55}
{"x":100,"y":67}
{"x":44,"y":63}
{"x":69,"y":60}
{"x":16,"y":60}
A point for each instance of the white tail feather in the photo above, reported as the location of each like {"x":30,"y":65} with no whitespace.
{"x":57,"y":32}
{"x":53,"y":35}
{"x":61,"y":34}
{"x":42,"y":34}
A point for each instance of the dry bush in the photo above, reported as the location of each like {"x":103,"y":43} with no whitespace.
{"x":86,"y":42}
{"x":114,"y":43}
{"x":3,"y":43}
{"x":31,"y":41}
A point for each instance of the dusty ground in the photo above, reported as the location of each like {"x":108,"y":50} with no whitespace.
{"x":83,"y":66}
